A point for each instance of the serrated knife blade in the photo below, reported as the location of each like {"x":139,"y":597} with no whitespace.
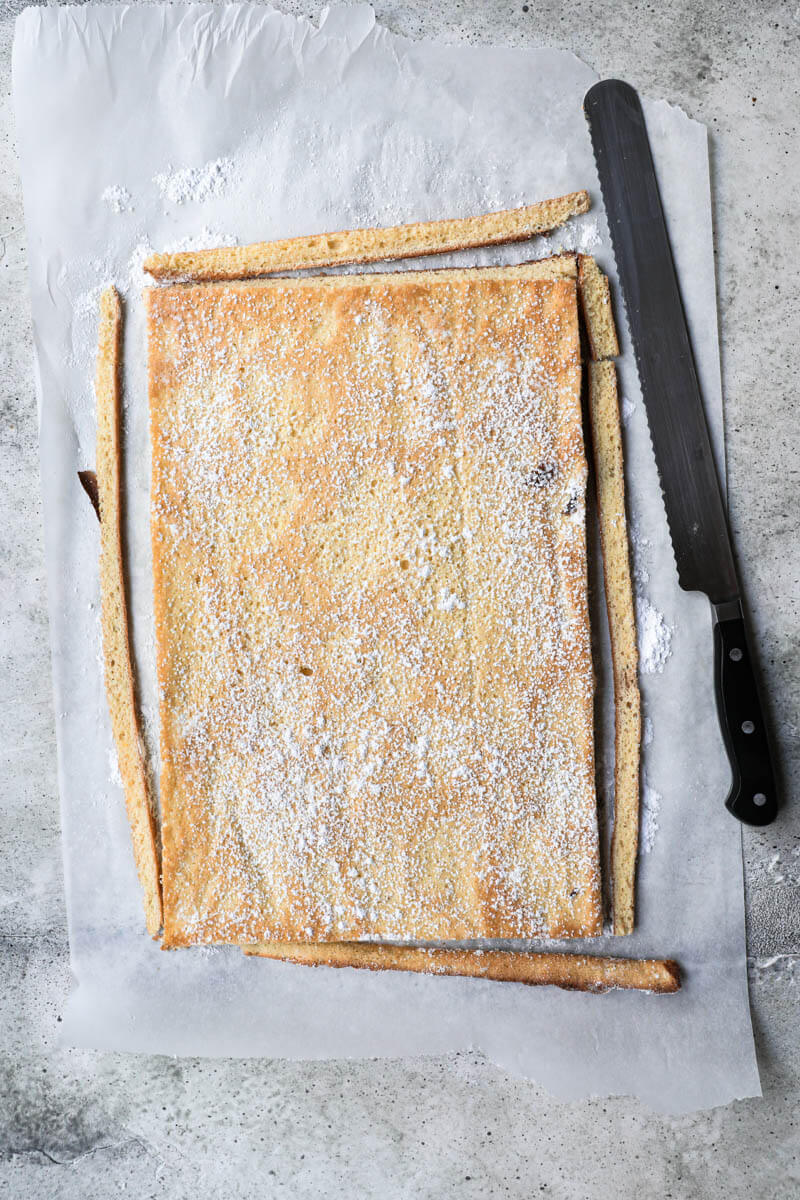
{"x":671,"y":391}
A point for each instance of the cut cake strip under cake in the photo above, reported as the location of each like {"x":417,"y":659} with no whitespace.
{"x":373,"y":651}
{"x":575,"y":972}
{"x":114,"y":612}
{"x":604,"y":418}
{"x":610,"y":482}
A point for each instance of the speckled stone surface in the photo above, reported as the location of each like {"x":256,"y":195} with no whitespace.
{"x":92,"y":1125}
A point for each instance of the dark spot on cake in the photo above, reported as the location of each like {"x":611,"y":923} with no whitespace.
{"x":540,"y":476}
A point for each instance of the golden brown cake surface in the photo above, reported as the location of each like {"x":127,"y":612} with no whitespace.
{"x":371,"y":619}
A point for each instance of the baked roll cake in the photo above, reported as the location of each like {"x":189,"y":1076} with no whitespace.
{"x":371,"y":614}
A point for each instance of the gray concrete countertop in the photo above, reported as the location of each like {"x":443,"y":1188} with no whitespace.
{"x":92,"y":1125}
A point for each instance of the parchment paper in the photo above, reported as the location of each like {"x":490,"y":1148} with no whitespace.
{"x":326,"y":128}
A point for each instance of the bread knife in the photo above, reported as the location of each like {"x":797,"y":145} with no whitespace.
{"x":670,"y":387}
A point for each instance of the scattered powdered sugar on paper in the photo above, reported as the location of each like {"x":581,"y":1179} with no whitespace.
{"x":581,"y":233}
{"x":85,"y":281}
{"x":655,"y":637}
{"x":400,"y":184}
{"x":85,"y":307}
{"x":118,"y":198}
{"x":204,"y":239}
{"x":628,"y":408}
{"x":640,"y":546}
{"x":647,"y":731}
{"x":195,"y":184}
{"x":588,"y":235}
{"x":113,"y":767}
{"x":137,"y":278}
{"x":651,"y":807}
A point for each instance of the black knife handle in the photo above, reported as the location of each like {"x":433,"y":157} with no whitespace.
{"x":753,"y":797}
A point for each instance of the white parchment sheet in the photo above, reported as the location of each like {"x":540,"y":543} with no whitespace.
{"x":161,"y":126}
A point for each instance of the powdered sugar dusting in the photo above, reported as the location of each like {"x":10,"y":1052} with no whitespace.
{"x":655,"y":637}
{"x":377,"y":685}
{"x":651,"y":807}
{"x":627,"y":408}
{"x":581,"y":233}
{"x":113,"y":767}
{"x":82,"y":330}
{"x":135,"y":278}
{"x":195,"y":184}
{"x":448,"y":601}
{"x":118,"y":198}
{"x":640,"y":548}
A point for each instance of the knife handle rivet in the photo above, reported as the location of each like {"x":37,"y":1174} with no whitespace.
{"x":747,"y":726}
{"x":759,"y":799}
{"x":736,"y":654}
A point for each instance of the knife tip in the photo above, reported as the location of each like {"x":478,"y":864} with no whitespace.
{"x":605,"y":87}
